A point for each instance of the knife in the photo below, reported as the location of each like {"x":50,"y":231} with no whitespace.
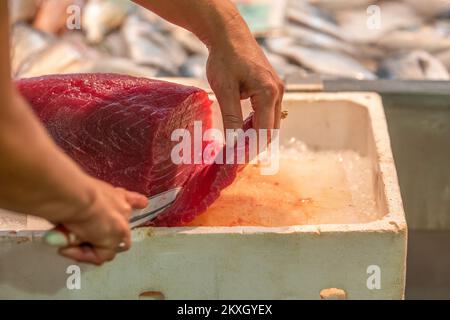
{"x":61,"y":237}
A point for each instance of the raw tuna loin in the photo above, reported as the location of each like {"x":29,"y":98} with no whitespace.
{"x":118,"y":129}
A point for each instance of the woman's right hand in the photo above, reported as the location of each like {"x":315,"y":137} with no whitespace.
{"x":103,"y":224}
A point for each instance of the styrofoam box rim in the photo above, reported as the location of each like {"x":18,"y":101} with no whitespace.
{"x":394,"y":220}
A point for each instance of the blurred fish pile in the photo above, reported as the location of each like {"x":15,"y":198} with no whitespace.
{"x":332,"y":38}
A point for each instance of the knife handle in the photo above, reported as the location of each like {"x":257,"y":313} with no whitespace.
{"x":60,"y":237}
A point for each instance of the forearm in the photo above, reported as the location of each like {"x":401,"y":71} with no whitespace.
{"x":35,"y":176}
{"x":212,"y":21}
{"x":237,"y":67}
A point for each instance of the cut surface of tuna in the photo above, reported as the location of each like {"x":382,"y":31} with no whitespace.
{"x":204,"y":187}
{"x":118,"y":129}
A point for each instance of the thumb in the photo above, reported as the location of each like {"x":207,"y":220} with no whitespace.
{"x":229,"y":99}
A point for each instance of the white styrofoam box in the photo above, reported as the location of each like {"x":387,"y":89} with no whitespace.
{"x":295,"y":262}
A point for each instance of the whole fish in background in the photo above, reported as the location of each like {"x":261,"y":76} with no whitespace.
{"x":148,"y":46}
{"x":102,"y":16}
{"x":444,"y":15}
{"x":415,"y":65}
{"x":429,"y":38}
{"x":283,"y":67}
{"x":429,"y":8}
{"x":26,"y":42}
{"x":175,"y":35}
{"x":52,"y":15}
{"x":22,"y":10}
{"x":339,"y":4}
{"x":77,"y":38}
{"x":321,"y":61}
{"x":194,"y":67}
{"x":152,"y":18}
{"x":186,"y":38}
{"x":189,"y":41}
{"x":118,"y":66}
{"x":328,"y":37}
{"x":114,"y":44}
{"x":72,"y":55}
{"x":442,"y":26}
{"x":313,"y":18}
{"x":59,"y":58}
{"x":393,"y":15}
{"x":311,"y":38}
{"x":444,"y":57}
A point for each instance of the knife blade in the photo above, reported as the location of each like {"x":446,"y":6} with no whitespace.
{"x":61,"y":237}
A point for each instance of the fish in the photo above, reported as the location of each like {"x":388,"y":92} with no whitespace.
{"x":114,"y":44}
{"x":115,"y":65}
{"x":444,"y":15}
{"x":59,"y":57}
{"x":393,"y":15}
{"x":102,"y":16}
{"x":312,"y":17}
{"x":203,"y":188}
{"x":52,"y":15}
{"x":159,"y":23}
{"x":311,"y":38}
{"x":428,"y":38}
{"x":444,"y":57}
{"x":283,"y":67}
{"x":189,"y":41}
{"x":334,"y":30}
{"x":335,"y":5}
{"x":442,"y":26}
{"x":194,"y":67}
{"x":73,"y":56}
{"x":329,"y":63}
{"x":415,"y":65}
{"x":147,"y":46}
{"x":22,"y":10}
{"x":26,"y":42}
{"x":429,"y":8}
{"x":118,"y":129}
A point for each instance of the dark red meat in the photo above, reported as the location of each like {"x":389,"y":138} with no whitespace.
{"x":202,"y":189}
{"x":118,"y":129}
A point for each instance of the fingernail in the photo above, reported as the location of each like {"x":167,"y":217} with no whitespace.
{"x":56,"y":238}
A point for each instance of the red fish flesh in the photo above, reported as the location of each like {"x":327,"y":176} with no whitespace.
{"x":118,"y":129}
{"x":202,"y":189}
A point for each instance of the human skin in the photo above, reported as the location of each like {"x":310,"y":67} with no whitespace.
{"x":37,"y":178}
{"x":237,"y":67}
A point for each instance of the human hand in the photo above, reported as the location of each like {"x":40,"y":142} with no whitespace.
{"x":103,"y":225}
{"x":238,"y":69}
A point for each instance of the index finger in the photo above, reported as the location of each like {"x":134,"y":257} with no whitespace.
{"x":136,"y":200}
{"x":229,"y":99}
